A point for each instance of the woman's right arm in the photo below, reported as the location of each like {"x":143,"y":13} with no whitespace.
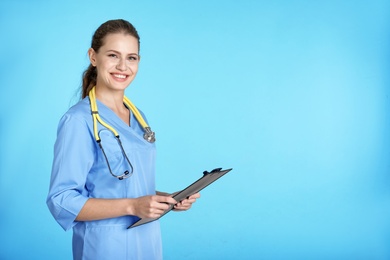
{"x":74,"y":155}
{"x":73,"y":158}
{"x":152,"y":206}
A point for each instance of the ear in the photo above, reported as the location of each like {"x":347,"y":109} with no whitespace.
{"x":92,"y":56}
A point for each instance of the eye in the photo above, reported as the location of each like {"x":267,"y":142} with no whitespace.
{"x":133,"y":57}
{"x":112,"y":55}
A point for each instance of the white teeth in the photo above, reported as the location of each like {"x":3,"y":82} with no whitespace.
{"x":119,"y":76}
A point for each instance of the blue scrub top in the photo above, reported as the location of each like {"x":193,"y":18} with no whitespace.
{"x":80,"y":172}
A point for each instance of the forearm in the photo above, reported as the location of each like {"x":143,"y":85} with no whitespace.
{"x":95,"y":209}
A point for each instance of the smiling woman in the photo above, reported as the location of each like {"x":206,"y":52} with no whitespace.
{"x":115,"y":46}
{"x":83,"y":194}
{"x":117,"y":63}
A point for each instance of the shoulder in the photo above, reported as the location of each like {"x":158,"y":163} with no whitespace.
{"x":80,"y":113}
{"x":80,"y":110}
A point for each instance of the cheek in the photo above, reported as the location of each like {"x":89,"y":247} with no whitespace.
{"x":106,"y":63}
{"x":134,"y":68}
{"x":102,"y":73}
{"x":104,"y":68}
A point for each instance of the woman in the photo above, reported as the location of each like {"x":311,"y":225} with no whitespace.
{"x":103,"y":178}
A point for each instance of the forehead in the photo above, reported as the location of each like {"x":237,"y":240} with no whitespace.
{"x":120,"y":42}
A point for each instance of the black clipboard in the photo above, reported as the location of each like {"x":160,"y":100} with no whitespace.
{"x":200,"y":184}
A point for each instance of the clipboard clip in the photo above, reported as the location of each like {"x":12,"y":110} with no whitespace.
{"x":213,"y":171}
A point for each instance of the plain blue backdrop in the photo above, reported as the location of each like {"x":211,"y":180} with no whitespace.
{"x":293,"y":95}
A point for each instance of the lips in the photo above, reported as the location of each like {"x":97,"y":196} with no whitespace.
{"x":119,"y":76}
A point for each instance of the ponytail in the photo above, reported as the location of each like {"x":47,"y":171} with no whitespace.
{"x":89,"y":80}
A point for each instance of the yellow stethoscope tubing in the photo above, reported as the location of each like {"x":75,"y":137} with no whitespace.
{"x":97,"y":118}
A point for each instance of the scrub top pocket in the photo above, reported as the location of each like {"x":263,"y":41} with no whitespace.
{"x":113,"y":153}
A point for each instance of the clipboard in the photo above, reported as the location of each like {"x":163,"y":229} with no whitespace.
{"x":200,"y":184}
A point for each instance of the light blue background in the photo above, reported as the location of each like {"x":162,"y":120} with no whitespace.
{"x":294,"y":95}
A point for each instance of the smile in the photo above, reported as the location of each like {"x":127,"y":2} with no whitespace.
{"x":119,"y":76}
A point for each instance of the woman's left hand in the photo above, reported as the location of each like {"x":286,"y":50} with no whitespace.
{"x":186,"y":203}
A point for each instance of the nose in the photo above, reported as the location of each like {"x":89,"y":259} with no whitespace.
{"x":121,"y":65}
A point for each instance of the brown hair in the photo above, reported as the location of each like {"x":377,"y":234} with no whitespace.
{"x":109,"y":27}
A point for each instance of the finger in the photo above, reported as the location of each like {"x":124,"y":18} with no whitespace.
{"x":188,"y":201}
{"x":182,"y":207}
{"x":184,"y":203}
{"x":155,"y":214}
{"x":165,"y":199}
{"x":161,"y":206}
{"x":195,"y":196}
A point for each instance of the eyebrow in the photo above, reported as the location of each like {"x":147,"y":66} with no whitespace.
{"x":133,"y":53}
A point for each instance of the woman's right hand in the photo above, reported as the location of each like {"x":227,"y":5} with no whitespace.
{"x":152,"y":206}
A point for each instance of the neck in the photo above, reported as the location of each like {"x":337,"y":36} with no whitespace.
{"x":114,"y":101}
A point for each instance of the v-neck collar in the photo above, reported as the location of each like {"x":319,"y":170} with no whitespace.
{"x":115,"y":117}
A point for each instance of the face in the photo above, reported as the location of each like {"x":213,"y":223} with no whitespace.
{"x":116,"y":61}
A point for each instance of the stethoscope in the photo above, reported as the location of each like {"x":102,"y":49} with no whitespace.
{"x":149,"y":135}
